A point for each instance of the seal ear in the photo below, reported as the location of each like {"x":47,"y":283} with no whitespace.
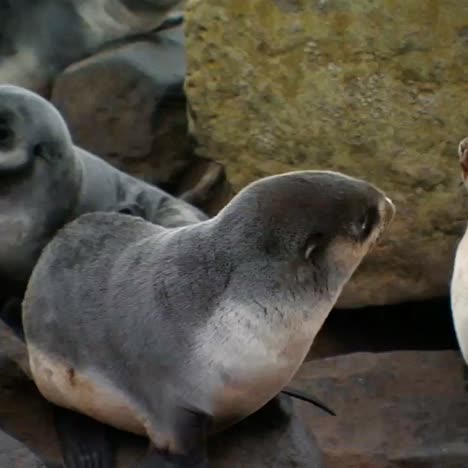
{"x":310,"y":248}
{"x":312,"y":242}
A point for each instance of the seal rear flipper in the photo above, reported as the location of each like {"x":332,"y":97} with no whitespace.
{"x":84,"y":442}
{"x":305,"y":397}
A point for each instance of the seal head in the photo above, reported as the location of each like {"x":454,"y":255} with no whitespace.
{"x":320,"y":222}
{"x":38,"y":176}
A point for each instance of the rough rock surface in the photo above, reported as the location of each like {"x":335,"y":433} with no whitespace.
{"x":403,"y":409}
{"x":372,"y":89}
{"x":127,"y":104}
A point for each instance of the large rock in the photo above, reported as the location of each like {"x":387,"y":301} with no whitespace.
{"x":374,"y":89}
{"x":406,"y":409}
{"x":127,"y":104}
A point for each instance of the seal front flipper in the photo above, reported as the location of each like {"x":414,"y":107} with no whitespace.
{"x":188,"y":437}
{"x":84,"y":442}
{"x":308,"y":398}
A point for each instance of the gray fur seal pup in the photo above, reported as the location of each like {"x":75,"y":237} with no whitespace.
{"x":81,"y":27}
{"x":47,"y":181}
{"x":459,"y":281}
{"x":179,"y":333}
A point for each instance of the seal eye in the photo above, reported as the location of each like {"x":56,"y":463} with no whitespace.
{"x":366,"y":222}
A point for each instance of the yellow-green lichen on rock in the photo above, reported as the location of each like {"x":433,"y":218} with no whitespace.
{"x":373,"y":88}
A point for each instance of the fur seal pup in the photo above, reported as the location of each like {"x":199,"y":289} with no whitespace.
{"x":47,"y":181}
{"x":179,"y":333}
{"x":81,"y":27}
{"x":459,"y":281}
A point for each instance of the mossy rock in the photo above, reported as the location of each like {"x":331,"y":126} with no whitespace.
{"x":375,"y":89}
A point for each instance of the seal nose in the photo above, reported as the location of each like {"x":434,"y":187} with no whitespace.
{"x":7,"y":135}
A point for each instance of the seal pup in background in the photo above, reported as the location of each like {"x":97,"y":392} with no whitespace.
{"x":459,"y":281}
{"x":178,"y":333}
{"x":47,"y":181}
{"x":68,"y":31}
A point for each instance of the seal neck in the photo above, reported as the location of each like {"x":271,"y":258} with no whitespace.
{"x":96,"y":182}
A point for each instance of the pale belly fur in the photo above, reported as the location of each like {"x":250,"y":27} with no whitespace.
{"x":459,"y":295}
{"x":86,"y":392}
{"x":249,"y":369}
{"x":255,"y":362}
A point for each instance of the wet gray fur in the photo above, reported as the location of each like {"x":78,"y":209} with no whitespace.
{"x":47,"y":181}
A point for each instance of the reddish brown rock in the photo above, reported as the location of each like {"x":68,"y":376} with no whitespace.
{"x":399,"y":409}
